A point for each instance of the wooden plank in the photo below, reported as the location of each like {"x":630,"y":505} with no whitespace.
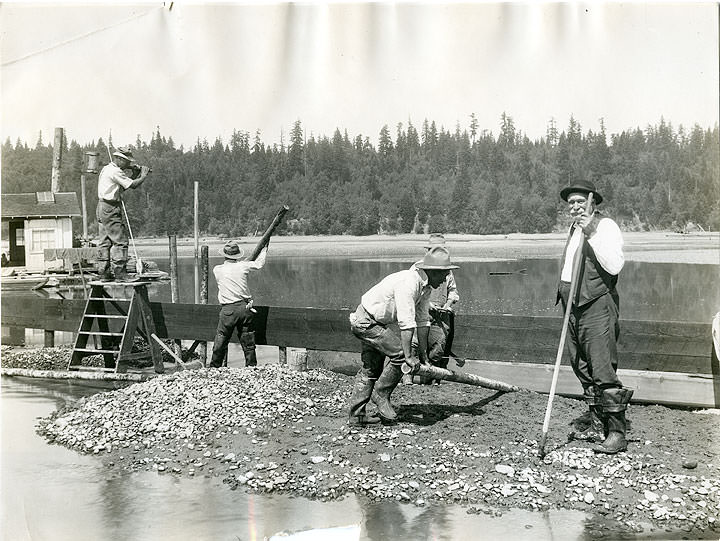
{"x":671,"y":388}
{"x":644,"y":345}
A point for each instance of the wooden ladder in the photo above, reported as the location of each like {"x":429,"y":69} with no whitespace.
{"x":115,"y":316}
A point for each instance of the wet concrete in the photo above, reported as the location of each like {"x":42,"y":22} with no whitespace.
{"x":50,"y":492}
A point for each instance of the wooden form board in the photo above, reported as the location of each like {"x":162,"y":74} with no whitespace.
{"x":644,"y":345}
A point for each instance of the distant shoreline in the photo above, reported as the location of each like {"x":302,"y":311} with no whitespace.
{"x":657,"y":247}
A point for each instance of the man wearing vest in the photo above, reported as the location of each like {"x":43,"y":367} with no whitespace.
{"x":593,"y":326}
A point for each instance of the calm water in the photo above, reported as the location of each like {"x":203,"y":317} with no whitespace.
{"x":52,"y":493}
{"x":648,"y":291}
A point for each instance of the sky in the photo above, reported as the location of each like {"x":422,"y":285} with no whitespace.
{"x":199,"y":71}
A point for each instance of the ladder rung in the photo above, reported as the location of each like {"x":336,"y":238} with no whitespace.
{"x":91,"y":368}
{"x":98,"y":351}
{"x":108,"y":299}
{"x":98,"y":333}
{"x":105,"y":316}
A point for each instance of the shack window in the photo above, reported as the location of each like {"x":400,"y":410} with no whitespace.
{"x":42,"y":239}
{"x":19,"y":237}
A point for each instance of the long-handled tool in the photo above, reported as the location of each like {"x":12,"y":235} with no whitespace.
{"x":138,"y":262}
{"x":192,"y":365}
{"x":563,"y":334}
{"x":434,"y":372}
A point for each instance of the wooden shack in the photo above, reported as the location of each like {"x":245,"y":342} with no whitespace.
{"x":35,"y":222}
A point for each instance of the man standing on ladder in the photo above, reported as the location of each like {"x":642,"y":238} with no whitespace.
{"x":593,"y":324}
{"x":113,"y":242}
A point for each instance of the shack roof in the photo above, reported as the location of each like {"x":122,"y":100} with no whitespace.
{"x":40,"y":205}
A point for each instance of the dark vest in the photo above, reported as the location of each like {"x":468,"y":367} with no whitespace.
{"x":594,"y":280}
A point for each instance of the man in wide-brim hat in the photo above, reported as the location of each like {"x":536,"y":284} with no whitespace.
{"x":442,"y":317}
{"x":236,"y":314}
{"x":113,"y":233}
{"x":593,"y":326}
{"x":402,"y":298}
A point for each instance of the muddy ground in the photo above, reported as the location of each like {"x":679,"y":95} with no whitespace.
{"x":268,"y":429}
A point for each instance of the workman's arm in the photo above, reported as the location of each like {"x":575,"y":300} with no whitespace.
{"x":605,"y":238}
{"x":144,"y":171}
{"x":259,"y":262}
{"x":452,"y":292}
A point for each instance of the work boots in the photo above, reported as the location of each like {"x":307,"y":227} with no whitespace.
{"x":362,"y":391}
{"x":614,"y":403}
{"x":591,"y":426}
{"x":104,"y":268}
{"x":384,"y":386}
{"x":121,"y":274}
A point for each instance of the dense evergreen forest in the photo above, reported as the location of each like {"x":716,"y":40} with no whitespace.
{"x":466,"y":181}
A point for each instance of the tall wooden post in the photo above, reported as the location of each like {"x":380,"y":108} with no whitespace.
{"x":57,"y":159}
{"x":174,"y":286}
{"x":197,"y":240}
{"x":86,"y":241}
{"x":204,"y":275}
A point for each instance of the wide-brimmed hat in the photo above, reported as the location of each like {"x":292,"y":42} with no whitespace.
{"x":232,"y":250}
{"x":124,"y":152}
{"x":436,"y":258}
{"x":435,"y":239}
{"x":582,"y":186}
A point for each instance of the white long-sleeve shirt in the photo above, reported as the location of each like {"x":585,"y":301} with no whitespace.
{"x":607,"y":243}
{"x":403,"y":296}
{"x":232,"y":278}
{"x":447,"y":292}
{"x":111,"y":180}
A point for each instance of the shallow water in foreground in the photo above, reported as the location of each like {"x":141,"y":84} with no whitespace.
{"x":50,"y":492}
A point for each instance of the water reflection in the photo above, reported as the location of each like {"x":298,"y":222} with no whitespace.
{"x":50,"y":492}
{"x":648,"y":291}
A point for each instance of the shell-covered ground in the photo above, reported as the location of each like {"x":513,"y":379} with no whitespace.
{"x":268,"y":429}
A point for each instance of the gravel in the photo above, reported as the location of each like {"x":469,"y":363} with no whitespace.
{"x":270,"y":430}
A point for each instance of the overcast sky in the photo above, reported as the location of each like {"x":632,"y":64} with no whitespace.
{"x":200,"y":71}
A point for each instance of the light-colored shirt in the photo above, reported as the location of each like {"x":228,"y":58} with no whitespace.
{"x":111,"y":180}
{"x":232,"y":278}
{"x":402,"y":296}
{"x":447,"y":292}
{"x":606,"y":242}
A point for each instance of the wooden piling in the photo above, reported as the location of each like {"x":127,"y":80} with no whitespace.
{"x":57,"y":159}
{"x":204,"y":278}
{"x":196,"y":235}
{"x":85,"y":240}
{"x":174,"y":286}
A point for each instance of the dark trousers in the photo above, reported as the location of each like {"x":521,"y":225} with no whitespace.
{"x":113,"y":236}
{"x":593,"y":331}
{"x":234,"y":317}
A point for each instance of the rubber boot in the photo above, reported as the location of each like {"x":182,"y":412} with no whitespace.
{"x":594,"y":431}
{"x":250,"y":357}
{"x":121,"y":274}
{"x":104,"y":268}
{"x":362,"y":390}
{"x":591,"y":426}
{"x":384,"y":386}
{"x":614,"y":403}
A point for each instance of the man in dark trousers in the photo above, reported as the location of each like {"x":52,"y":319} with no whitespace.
{"x":593,"y":324}
{"x":113,"y":241}
{"x":401,"y":298}
{"x":236,"y":313}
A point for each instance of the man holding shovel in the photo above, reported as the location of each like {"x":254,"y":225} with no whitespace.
{"x":113,"y":242}
{"x":593,"y":319}
{"x":401,"y":298}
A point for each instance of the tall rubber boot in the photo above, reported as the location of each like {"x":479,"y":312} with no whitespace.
{"x":104,"y":268}
{"x":362,"y":391}
{"x":384,"y":386}
{"x":591,"y":427}
{"x":614,"y":403}
{"x":121,"y":274}
{"x":247,"y":341}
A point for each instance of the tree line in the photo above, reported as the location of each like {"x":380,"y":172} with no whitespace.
{"x":414,"y":180}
